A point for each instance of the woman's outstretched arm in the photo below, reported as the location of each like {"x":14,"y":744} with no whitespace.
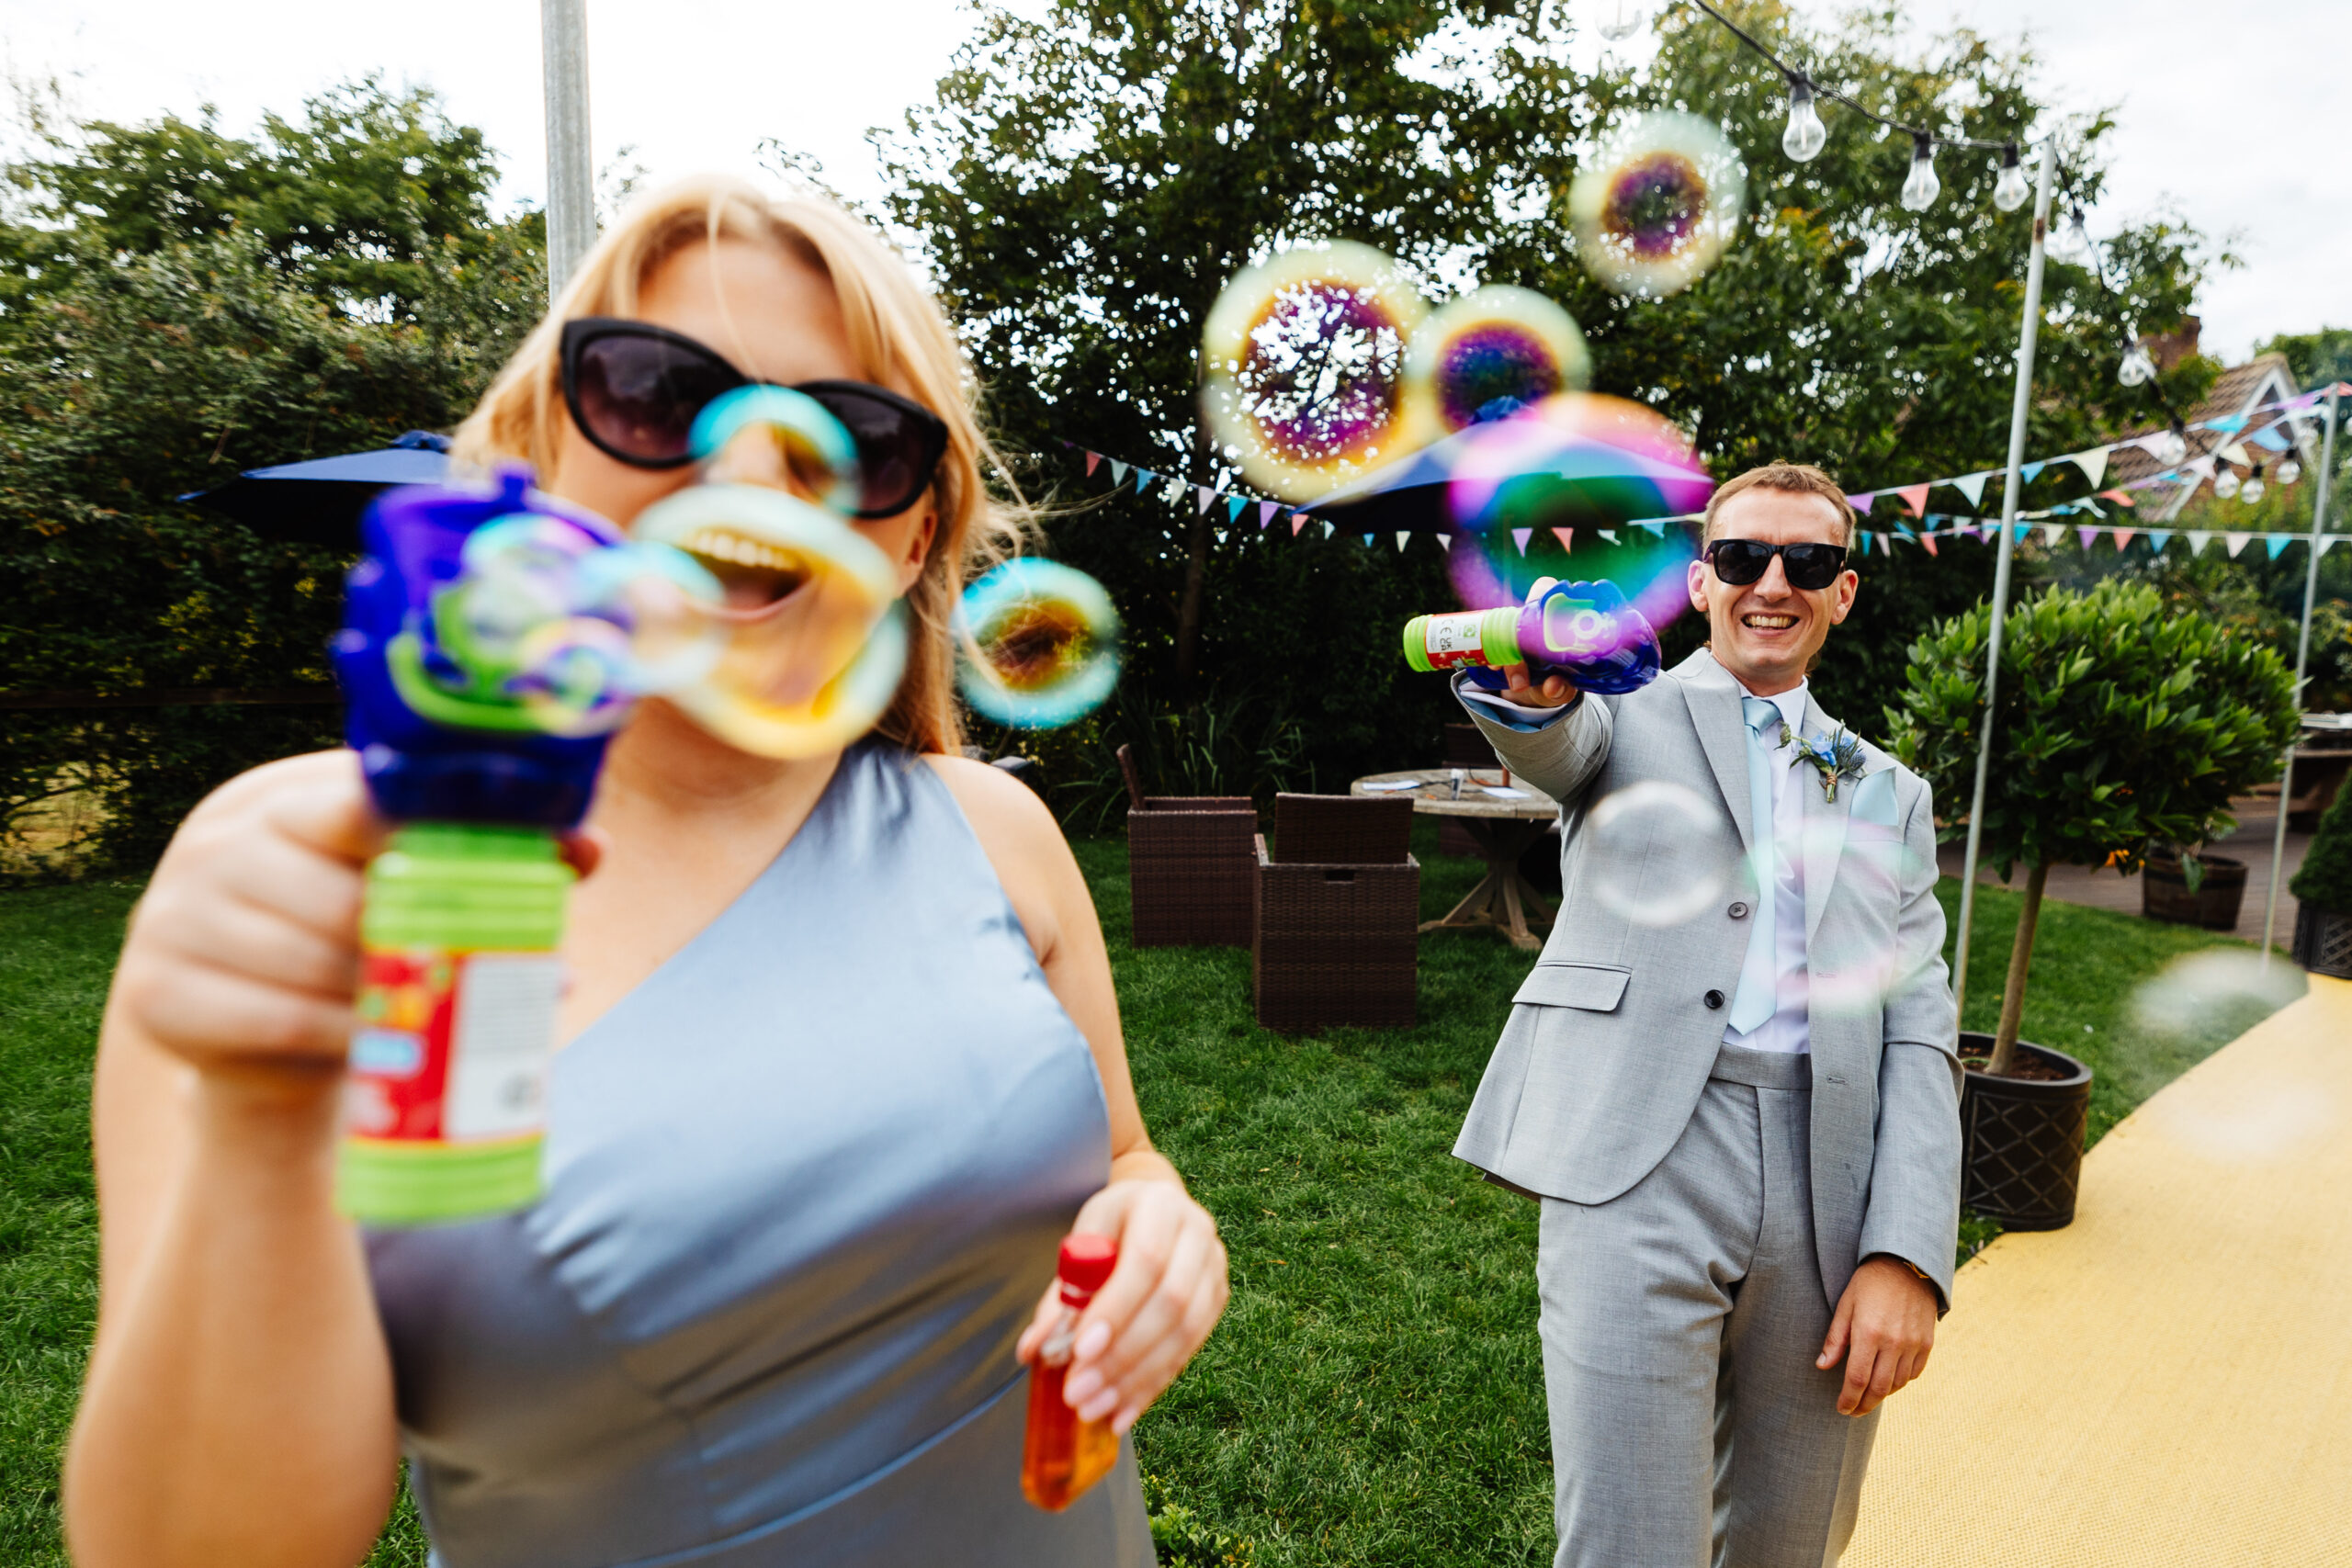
{"x":239,"y":1405}
{"x":1170,"y":1285}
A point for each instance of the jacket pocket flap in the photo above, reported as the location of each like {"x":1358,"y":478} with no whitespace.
{"x":1593,"y":986}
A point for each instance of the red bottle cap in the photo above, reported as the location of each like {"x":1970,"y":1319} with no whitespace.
{"x":1086,"y":1263}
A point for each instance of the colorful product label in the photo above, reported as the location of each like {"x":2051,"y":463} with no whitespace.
{"x":1453,"y":638}
{"x":452,"y":1046}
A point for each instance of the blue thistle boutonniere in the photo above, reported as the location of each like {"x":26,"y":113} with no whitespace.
{"x":1834,"y":757}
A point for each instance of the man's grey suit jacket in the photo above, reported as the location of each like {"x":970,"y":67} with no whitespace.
{"x":1611,"y":1039}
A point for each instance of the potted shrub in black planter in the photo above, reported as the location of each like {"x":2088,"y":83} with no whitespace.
{"x":2122,"y":721}
{"x":2323,"y":885}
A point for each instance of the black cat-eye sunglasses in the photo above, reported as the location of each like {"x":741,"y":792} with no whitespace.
{"x":635,"y":388}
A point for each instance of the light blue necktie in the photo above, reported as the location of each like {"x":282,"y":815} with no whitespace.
{"x":1758,"y":989}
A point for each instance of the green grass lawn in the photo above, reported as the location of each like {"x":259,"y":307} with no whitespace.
{"x":1373,"y":1395}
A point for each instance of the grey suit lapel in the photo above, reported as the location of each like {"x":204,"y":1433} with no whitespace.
{"x":1713,"y":699}
{"x":1825,"y":823}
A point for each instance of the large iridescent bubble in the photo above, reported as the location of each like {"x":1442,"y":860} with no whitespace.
{"x":1657,"y":203}
{"x":1040,"y":644}
{"x":1488,"y":354}
{"x":814,"y":642}
{"x":1303,"y":363}
{"x":1566,"y":471}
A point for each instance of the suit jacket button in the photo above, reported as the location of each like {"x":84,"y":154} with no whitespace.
{"x":1713,"y":1000}
{"x":1738,"y":911}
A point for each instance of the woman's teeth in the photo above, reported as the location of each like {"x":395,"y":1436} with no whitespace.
{"x":720,"y":543}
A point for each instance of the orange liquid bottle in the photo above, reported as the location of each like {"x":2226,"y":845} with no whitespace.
{"x":1064,"y":1455}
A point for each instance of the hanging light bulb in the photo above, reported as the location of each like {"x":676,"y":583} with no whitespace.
{"x":2289,"y":470}
{"x":2137,"y":369}
{"x":1806,"y":135}
{"x":2172,"y":448}
{"x":1921,"y":187}
{"x":2225,"y":482}
{"x":2008,"y":190}
{"x":1624,"y":20}
{"x":2251,"y":491}
{"x":2071,"y":240}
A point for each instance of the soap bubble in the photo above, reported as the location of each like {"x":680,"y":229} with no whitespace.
{"x":1656,"y":204}
{"x":775,"y":435}
{"x":1304,"y":366}
{"x":1488,"y":353}
{"x":574,"y":676}
{"x":1040,"y":644}
{"x":1658,"y":853}
{"x":2216,"y":990}
{"x":813,"y":647}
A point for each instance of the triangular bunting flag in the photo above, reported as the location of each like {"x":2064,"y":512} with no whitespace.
{"x":2030,"y":472}
{"x":1367,"y":541}
{"x":1401,"y":537}
{"x":2085,"y":535}
{"x":1607,"y":534}
{"x":2270,"y":438}
{"x":1233,"y":505}
{"x":2278,"y":542}
{"x":2093,"y":463}
{"x":1093,"y":461}
{"x":1297,"y":520}
{"x":2158,"y":539}
{"x":1445,"y":543}
{"x":2123,"y":537}
{"x":1567,"y":538}
{"x":2198,"y":539}
{"x":1970,"y":486}
{"x":1655,"y":527}
{"x":2052,"y":533}
{"x":1118,"y":472}
{"x":1142,"y":479}
{"x":1329,"y":527}
{"x":1861,"y":504}
{"x":2236,"y":541}
{"x":2235,"y":422}
{"x":1266,"y":510}
{"x":1886,"y":544}
{"x":2235,"y":451}
{"x":2121,"y":497}
{"x":1201,"y":496}
{"x":1928,"y":540}
{"x":1520,"y":536}
{"x":2327,"y":542}
{"x":1914,"y":499}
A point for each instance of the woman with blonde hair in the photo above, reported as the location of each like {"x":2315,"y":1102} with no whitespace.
{"x":840,"y":1064}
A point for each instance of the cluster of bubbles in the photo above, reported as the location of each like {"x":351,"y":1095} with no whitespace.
{"x":1039,"y":644}
{"x":575,"y":628}
{"x":1657,"y":203}
{"x":812,"y":637}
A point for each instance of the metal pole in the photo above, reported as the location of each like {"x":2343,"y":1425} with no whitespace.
{"x":2007,"y":548}
{"x":2302,"y":657}
{"x":572,"y":181}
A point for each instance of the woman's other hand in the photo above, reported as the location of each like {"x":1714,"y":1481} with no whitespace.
{"x":243,"y":957}
{"x":1162,"y":1300}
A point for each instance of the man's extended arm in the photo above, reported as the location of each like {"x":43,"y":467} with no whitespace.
{"x":1558,"y":752}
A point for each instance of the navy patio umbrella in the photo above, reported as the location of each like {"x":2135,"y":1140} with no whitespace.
{"x":319,"y":502}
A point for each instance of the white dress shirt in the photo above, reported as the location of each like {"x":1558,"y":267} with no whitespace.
{"x":1788,"y":1028}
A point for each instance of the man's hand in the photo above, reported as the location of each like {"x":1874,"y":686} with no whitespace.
{"x":1884,"y":1327}
{"x":1555,"y":691}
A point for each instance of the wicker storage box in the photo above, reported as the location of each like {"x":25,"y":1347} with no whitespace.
{"x":1338,"y":916}
{"x":1190,"y":863}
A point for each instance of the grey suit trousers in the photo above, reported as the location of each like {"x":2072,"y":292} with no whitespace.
{"x":1680,"y":1321}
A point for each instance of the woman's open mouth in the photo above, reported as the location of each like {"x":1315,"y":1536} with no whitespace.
{"x":755,"y":576}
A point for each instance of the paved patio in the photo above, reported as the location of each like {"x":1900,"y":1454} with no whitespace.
{"x":2104,"y":889}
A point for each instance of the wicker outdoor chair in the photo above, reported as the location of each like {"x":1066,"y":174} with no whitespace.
{"x":1338,"y":913}
{"x":1189,"y":865}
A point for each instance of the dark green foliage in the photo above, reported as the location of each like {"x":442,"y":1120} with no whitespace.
{"x":2123,"y":721}
{"x":1374,"y":1393}
{"x":1086,"y":183}
{"x":136,"y":372}
{"x":2325,"y":878}
{"x":2316,"y":358}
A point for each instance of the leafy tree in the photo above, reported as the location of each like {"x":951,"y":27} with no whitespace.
{"x":2120,"y":722}
{"x":1085,"y":183}
{"x":2325,"y":876}
{"x":134,"y":372}
{"x":2316,"y":358}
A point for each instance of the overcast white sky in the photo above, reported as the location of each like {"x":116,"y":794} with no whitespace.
{"x":2237,"y":127}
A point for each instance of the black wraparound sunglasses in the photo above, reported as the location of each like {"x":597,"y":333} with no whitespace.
{"x":1742,"y":561}
{"x":634,"y":389}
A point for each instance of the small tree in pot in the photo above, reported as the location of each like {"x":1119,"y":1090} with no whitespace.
{"x":2323,"y":885}
{"x":2122,"y":720}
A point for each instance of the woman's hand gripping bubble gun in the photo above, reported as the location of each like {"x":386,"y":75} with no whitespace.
{"x":1583,"y":631}
{"x":492,"y":641}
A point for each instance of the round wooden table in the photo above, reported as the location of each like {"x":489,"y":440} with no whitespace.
{"x":1502,"y":825}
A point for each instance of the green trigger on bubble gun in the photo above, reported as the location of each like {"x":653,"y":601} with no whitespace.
{"x":1584,"y":631}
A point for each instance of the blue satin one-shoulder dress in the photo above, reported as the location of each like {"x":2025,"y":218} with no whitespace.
{"x":804,"y":1185}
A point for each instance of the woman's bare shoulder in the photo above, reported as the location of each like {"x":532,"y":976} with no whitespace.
{"x":1022,"y":841}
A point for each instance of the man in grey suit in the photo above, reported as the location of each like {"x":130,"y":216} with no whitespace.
{"x":1731,"y":1079}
